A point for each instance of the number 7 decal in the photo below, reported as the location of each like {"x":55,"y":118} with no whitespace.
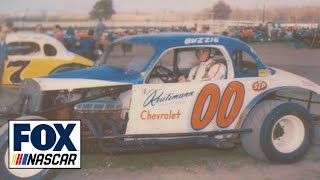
{"x":235,"y":91}
{"x":16,"y":76}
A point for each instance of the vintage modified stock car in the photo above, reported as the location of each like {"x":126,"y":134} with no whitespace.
{"x":132,"y":101}
{"x":34,"y":54}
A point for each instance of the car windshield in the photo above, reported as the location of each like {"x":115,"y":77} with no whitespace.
{"x":130,"y":57}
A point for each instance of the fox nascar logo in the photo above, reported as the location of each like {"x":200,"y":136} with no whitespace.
{"x":44,"y":144}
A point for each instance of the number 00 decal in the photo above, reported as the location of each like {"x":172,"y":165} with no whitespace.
{"x":213,"y":91}
{"x":234,"y":94}
{"x":237,"y":89}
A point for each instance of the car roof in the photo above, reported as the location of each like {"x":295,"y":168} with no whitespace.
{"x":29,"y":36}
{"x":41,"y":39}
{"x":163,"y":41}
{"x":170,"y":40}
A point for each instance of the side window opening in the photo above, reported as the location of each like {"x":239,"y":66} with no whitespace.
{"x":167,"y":60}
{"x":244,"y":64}
{"x":130,"y":57}
{"x":23,"y":48}
{"x":163,"y":66}
{"x":187,"y":58}
{"x":49,"y":50}
{"x":179,"y":62}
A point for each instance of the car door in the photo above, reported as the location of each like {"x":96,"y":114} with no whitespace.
{"x":186,"y":107}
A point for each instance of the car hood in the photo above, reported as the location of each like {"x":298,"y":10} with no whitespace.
{"x":70,"y":84}
{"x":104,"y":73}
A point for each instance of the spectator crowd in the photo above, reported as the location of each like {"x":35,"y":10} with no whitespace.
{"x":92,"y":42}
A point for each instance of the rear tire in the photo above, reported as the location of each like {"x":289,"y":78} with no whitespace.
{"x":282,"y":132}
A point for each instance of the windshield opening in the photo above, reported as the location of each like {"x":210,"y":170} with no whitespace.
{"x":130,"y":57}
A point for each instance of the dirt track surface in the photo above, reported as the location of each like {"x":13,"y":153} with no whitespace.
{"x":192,"y":164}
{"x":304,"y":62}
{"x":211,"y":163}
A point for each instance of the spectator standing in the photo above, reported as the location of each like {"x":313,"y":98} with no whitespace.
{"x":225,"y":33}
{"x":205,"y":29}
{"x":296,"y":39}
{"x":70,"y":31}
{"x":87,"y":45}
{"x":70,"y":39}
{"x":111,"y":37}
{"x":3,"y":48}
{"x":193,"y":30}
{"x":100,"y":28}
{"x":58,"y":34}
{"x":39,"y":28}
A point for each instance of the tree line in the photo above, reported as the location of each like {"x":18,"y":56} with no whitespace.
{"x":221,"y":10}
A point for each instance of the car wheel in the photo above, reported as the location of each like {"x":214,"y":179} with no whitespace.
{"x":282,"y":132}
{"x":23,"y":174}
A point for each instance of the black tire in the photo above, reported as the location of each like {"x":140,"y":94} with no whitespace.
{"x":263,"y":120}
{"x":5,"y":173}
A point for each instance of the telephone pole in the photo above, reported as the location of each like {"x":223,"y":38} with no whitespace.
{"x":264,"y":12}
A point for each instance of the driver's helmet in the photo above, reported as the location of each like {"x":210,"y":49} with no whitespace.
{"x":204,"y":49}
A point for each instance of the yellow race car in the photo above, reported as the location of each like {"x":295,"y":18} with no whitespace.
{"x":33,"y":54}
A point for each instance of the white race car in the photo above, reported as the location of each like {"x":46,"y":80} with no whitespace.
{"x":134,"y":102}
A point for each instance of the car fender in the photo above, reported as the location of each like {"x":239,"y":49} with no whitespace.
{"x":263,"y":95}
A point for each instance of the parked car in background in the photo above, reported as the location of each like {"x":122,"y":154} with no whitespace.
{"x":33,"y":54}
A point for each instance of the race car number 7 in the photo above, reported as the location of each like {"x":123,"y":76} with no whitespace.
{"x":21,"y":65}
{"x":228,"y":107}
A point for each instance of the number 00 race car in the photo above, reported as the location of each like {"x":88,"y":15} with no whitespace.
{"x":133,"y":101}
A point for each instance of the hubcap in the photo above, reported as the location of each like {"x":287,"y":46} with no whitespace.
{"x":288,"y":134}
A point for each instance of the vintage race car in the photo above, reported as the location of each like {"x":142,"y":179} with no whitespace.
{"x":133,"y":101}
{"x":33,"y":55}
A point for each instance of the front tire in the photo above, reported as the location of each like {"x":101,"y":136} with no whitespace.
{"x":282,"y":132}
{"x":17,"y":174}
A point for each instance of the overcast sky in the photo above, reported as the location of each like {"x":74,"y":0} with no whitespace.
{"x":141,"y":5}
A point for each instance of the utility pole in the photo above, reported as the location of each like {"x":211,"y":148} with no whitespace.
{"x":264,"y":12}
{"x":24,"y":17}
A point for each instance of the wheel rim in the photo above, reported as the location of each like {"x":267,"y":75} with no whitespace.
{"x":288,"y":134}
{"x":21,"y":173}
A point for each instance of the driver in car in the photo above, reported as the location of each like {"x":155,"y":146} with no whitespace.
{"x":207,"y":70}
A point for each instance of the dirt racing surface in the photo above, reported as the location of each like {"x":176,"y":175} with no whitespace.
{"x":211,"y":163}
{"x":192,"y":164}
